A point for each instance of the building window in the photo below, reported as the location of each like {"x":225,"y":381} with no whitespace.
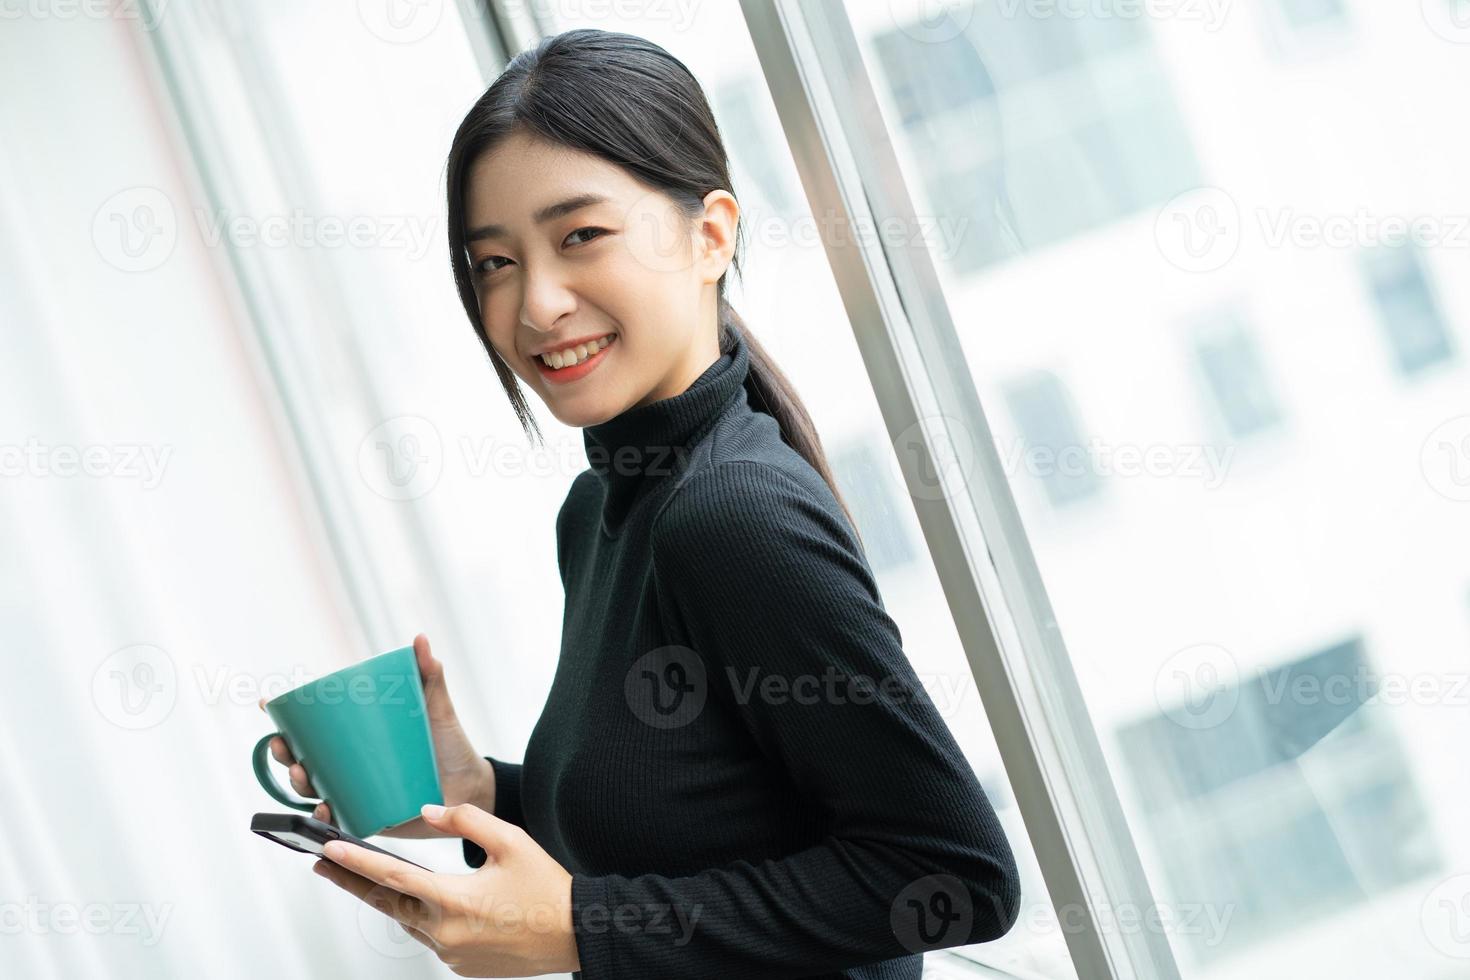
{"x":872,"y":492}
{"x":1305,"y":15}
{"x":1409,"y":310}
{"x":1051,"y":447}
{"x":1035,"y":129}
{"x":1239,"y":388}
{"x":1294,"y":805}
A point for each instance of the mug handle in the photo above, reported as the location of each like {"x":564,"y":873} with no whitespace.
{"x":268,"y":782}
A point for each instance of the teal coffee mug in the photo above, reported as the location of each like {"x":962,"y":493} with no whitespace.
{"x":363,"y":735}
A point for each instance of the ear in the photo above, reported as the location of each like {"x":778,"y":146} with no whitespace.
{"x":716,"y":245}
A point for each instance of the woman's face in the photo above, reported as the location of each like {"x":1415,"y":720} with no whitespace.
{"x":565,"y":247}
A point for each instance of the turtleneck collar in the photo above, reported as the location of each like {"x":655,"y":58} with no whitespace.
{"x":651,"y":441}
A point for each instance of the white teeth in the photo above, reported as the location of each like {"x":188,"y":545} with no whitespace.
{"x":575,"y":355}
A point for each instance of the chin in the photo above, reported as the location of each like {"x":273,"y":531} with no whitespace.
{"x":584,"y":412}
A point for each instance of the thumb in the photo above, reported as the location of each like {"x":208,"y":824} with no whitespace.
{"x":495,"y":836}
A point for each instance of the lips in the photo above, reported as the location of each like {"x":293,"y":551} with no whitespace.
{"x":569,"y":354}
{"x":577,"y":370}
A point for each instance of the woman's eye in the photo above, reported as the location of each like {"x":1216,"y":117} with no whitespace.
{"x":484,"y":270}
{"x":580,"y":230}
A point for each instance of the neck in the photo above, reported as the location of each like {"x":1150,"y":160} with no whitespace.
{"x":637,"y":448}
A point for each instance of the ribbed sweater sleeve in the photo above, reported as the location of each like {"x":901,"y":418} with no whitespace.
{"x":507,"y":805}
{"x":765,"y":579}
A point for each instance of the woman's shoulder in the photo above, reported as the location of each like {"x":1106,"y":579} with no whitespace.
{"x":749,"y":490}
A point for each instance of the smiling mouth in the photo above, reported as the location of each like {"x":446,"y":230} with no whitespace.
{"x":576,"y":362}
{"x":572,"y":356}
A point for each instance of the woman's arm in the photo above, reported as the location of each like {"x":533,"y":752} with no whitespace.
{"x":767,"y":580}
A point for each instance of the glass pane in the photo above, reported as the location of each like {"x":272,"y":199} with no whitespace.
{"x":790,"y":302}
{"x":1230,"y":287}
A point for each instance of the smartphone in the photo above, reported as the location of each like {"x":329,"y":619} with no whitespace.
{"x":309,"y":835}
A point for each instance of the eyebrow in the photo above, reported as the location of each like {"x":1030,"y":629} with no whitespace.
{"x":548,"y":213}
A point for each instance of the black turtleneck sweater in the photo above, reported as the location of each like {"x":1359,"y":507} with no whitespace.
{"x":736,"y":761}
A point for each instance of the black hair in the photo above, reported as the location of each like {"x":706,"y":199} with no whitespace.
{"x":626,"y":100}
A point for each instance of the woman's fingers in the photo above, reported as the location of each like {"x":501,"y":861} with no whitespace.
{"x":300,"y":782}
{"x":323,"y":812}
{"x":281,"y":751}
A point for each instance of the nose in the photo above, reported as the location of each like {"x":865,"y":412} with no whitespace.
{"x":545,"y":300}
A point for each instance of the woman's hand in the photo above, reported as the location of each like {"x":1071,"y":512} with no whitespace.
{"x":464,"y":776}
{"x":510,"y":918}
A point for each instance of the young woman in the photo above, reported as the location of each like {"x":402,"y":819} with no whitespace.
{"x":737,"y":772}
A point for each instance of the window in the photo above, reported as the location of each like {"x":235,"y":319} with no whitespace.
{"x":1310,"y":820}
{"x":1051,"y":439}
{"x":1294,"y":805}
{"x":1408,"y":308}
{"x":1304,"y":14}
{"x":1296,"y":28}
{"x":869,"y":488}
{"x":1235,"y":379}
{"x":1034,"y":127}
